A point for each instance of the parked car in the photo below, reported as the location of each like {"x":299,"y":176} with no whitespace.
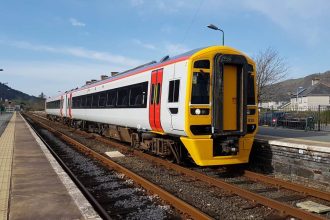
{"x":271,"y":118}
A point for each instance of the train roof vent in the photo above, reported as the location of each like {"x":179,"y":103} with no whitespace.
{"x":93,"y":80}
{"x":164,"y":58}
{"x":114,"y":73}
{"x":88,"y":82}
{"x":103,"y":77}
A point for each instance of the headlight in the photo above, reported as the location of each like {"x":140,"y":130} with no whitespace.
{"x":199,"y":111}
{"x":250,"y":111}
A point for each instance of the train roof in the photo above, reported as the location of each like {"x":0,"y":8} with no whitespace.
{"x":148,"y":65}
{"x":141,"y":68}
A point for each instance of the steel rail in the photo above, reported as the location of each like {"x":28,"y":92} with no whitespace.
{"x":281,"y":207}
{"x":288,"y":185}
{"x":163,"y":194}
{"x":96,"y":205}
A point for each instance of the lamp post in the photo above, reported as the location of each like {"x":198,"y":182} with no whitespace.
{"x":213,"y":27}
{"x":299,"y":88}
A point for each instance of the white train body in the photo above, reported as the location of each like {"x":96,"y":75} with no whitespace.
{"x":137,"y":118}
{"x":175,"y":99}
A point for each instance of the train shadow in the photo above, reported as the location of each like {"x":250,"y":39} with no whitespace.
{"x":261,"y":158}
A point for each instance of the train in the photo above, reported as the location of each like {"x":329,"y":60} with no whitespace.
{"x":199,"y":106}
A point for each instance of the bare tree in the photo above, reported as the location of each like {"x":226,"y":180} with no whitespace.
{"x":42,"y":96}
{"x":271,"y":68}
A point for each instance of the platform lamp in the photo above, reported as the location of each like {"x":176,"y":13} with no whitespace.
{"x":212,"y":26}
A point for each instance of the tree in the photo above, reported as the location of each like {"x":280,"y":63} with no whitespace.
{"x":42,"y":96}
{"x":271,"y":68}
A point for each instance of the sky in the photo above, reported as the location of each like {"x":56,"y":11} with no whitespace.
{"x":50,"y":46}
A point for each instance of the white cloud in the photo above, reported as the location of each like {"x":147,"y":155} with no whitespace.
{"x":76,"y":23}
{"x":78,"y":52}
{"x":302,"y":19}
{"x":145,"y":45}
{"x":52,"y":76}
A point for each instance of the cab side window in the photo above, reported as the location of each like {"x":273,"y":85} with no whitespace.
{"x":173,"y":91}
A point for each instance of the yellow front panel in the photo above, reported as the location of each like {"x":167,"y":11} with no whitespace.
{"x":201,"y":151}
{"x":230,"y":98}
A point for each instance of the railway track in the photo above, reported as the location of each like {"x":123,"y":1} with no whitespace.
{"x":177,"y":203}
{"x":283,"y":208}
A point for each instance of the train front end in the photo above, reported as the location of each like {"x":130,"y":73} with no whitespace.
{"x":221,"y":107}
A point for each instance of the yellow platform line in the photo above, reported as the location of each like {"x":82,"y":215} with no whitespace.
{"x":6,"y":158}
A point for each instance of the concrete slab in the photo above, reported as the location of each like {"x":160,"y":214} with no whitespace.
{"x":313,"y":207}
{"x":114,"y":154}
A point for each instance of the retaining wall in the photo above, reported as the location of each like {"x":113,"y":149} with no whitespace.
{"x":297,"y":161}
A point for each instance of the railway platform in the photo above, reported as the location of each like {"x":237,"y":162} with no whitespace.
{"x":32,"y":184}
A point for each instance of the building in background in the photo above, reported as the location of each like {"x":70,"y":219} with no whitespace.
{"x":310,"y":98}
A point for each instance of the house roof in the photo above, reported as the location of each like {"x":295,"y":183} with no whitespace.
{"x":318,"y":89}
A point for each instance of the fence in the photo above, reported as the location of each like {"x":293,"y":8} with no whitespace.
{"x":312,"y":118}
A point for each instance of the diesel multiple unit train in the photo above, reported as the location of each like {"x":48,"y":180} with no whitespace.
{"x":200,"y":105}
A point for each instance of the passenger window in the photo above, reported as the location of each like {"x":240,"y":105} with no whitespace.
{"x":173,"y":91}
{"x":102,"y":99}
{"x":88,"y":101}
{"x":138,"y":95}
{"x":123,"y":95}
{"x":78,"y":102}
{"x":112,"y":97}
{"x":95,"y":101}
{"x":83,"y":101}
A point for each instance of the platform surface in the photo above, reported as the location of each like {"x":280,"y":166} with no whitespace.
{"x":30,"y":187}
{"x":6,"y":156}
{"x":317,"y":140}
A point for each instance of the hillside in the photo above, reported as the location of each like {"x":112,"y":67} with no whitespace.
{"x":20,"y":98}
{"x":282,"y":91}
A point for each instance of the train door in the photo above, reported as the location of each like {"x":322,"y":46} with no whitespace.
{"x":70,"y":105}
{"x":61,"y":106}
{"x":65,"y":105}
{"x":230,"y":96}
{"x":155,"y":100}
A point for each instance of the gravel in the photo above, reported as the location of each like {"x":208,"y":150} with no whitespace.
{"x":118,"y":195}
{"x":211,"y":200}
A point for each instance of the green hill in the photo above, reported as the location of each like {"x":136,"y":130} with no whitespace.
{"x":20,"y":98}
{"x":282,"y":91}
